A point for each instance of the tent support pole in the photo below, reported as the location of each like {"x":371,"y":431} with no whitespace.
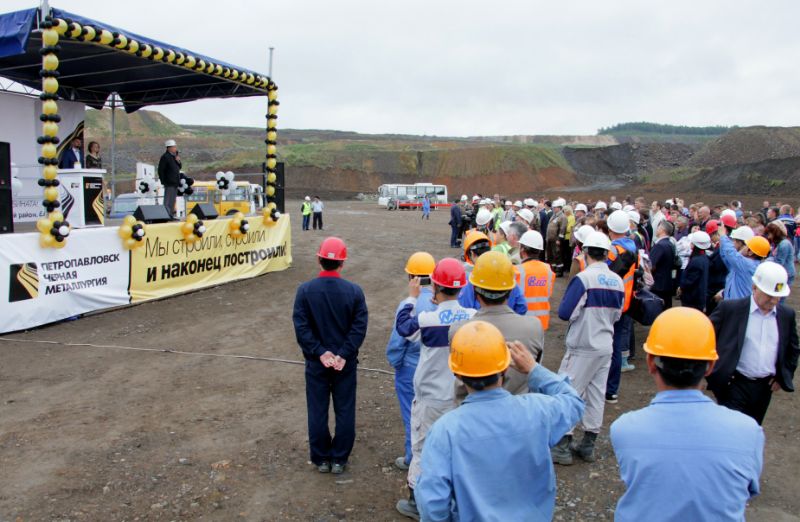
{"x":113,"y":146}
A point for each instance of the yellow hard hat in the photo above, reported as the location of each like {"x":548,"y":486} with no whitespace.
{"x":683,"y":333}
{"x":758,"y":245}
{"x":478,"y":349}
{"x":420,"y":264}
{"x":493,"y":271}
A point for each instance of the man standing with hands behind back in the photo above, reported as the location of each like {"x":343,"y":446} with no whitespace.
{"x":330,"y":323}
{"x":169,"y":173}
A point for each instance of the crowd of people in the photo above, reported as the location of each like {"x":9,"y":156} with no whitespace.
{"x":485,"y":422}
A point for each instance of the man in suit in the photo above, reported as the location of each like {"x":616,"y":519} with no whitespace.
{"x":73,"y":155}
{"x":662,"y":259}
{"x":757,"y":344}
{"x":455,"y":224}
{"x":169,"y":173}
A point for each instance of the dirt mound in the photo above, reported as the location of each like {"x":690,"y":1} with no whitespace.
{"x":747,"y":146}
{"x":774,"y":177}
{"x":628,"y":160}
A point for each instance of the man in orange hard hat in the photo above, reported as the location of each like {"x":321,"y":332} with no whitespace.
{"x":684,"y":457}
{"x":330,"y":323}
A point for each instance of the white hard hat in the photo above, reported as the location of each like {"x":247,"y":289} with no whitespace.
{"x":628,"y":208}
{"x":619,"y":222}
{"x":700,"y":239}
{"x":170,"y":143}
{"x":600,"y":205}
{"x":505,"y":226}
{"x":483,"y":216}
{"x":616,"y":205}
{"x":583,"y":232}
{"x":743,"y":233}
{"x":597,"y":240}
{"x":307,"y":198}
{"x":772,"y":279}
{"x":581,"y":206}
{"x":508,"y":203}
{"x":669,"y":202}
{"x":529,"y":202}
{"x":634,"y":216}
{"x":559,"y":203}
{"x":518,"y":203}
{"x":532,"y":239}
{"x":525,"y":214}
{"x":475,"y":198}
{"x":727,"y":212}
{"x":464,"y":197}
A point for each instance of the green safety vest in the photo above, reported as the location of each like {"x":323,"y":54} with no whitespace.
{"x":306,"y":208}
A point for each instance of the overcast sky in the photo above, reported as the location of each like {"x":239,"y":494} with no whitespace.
{"x":460,"y":68}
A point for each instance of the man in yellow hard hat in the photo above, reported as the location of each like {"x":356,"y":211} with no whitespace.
{"x":476,"y":244}
{"x":684,"y":457}
{"x":488,"y":458}
{"x":492,"y":281}
{"x":403,"y":353}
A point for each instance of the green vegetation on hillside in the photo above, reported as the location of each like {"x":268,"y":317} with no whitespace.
{"x":647,"y":128}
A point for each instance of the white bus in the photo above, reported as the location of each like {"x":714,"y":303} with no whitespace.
{"x":395,"y":196}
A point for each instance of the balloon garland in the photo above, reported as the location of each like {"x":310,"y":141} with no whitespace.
{"x":185,"y":185}
{"x":131,"y":232}
{"x":54,"y":228}
{"x":146,"y":186}
{"x":271,"y":214}
{"x":238,"y":226}
{"x":193,"y":228}
{"x":225,"y":182}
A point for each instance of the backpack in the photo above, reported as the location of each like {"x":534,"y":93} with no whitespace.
{"x":623,"y":262}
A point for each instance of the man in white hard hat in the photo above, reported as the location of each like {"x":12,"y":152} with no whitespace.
{"x":757,"y":345}
{"x":305,"y":209}
{"x":580,"y":211}
{"x":592,"y":304}
{"x":526,"y":216}
{"x":536,"y":277}
{"x":600,"y":209}
{"x":509,"y":214}
{"x":169,"y":173}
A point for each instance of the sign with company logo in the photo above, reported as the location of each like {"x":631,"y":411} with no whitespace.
{"x":166,"y":264}
{"x":44,"y":285}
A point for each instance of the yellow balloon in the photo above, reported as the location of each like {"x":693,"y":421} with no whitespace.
{"x":49,"y":150}
{"x":158,"y":53}
{"x":75,"y":30}
{"x":49,"y":37}
{"x":192,"y":218}
{"x":191,"y":238}
{"x":273,"y":95}
{"x":50,"y":128}
{"x":90,"y":34}
{"x":46,"y":240}
{"x":51,"y":193}
{"x":61,"y":26}
{"x":170,"y":56}
{"x":133,"y":46}
{"x":273,"y":110}
{"x":147,"y":51}
{"x":50,"y":62}
{"x":187,"y":228}
{"x":106,"y":37}
{"x":271,"y":206}
{"x":272,"y":177}
{"x":271,"y":149}
{"x":50,"y":85}
{"x":130,"y":243}
{"x":201,"y":64}
{"x":251,"y":79}
{"x":124,"y":231}
{"x":50,"y":172}
{"x":270,"y":190}
{"x":190,"y":62}
{"x":180,"y":58}
{"x":234,"y":74}
{"x":61,"y":244}
{"x":271,"y":163}
{"x":239,"y":216}
{"x":129,"y":220}
{"x":218,"y":70}
{"x":56,"y":216}
{"x":49,"y":107}
{"x":123,"y":42}
{"x":235,"y":224}
{"x":44,"y":225}
{"x":272,"y":135}
{"x":210,"y":68}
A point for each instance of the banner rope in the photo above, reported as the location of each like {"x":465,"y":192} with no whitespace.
{"x":179,"y":352}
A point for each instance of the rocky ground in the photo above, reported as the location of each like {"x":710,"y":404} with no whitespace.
{"x":113,"y":434}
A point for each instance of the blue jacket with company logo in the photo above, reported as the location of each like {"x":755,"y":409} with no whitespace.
{"x":516,"y":299}
{"x":433,"y":380}
{"x":403,"y":352}
{"x":592,"y":304}
{"x":739,"y":281}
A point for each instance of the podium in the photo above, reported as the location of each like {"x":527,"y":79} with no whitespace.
{"x":81,"y":194}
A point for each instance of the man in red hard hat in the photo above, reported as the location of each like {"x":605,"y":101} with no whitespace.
{"x":330,"y":322}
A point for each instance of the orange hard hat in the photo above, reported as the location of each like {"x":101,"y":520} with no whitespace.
{"x":332,"y":248}
{"x":470,"y":239}
{"x":420,"y":264}
{"x":758,"y":245}
{"x":682,"y":333}
{"x":449,"y":273}
{"x":478,"y":349}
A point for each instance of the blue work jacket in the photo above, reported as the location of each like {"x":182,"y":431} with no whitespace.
{"x":516,"y":299}
{"x":402,"y":351}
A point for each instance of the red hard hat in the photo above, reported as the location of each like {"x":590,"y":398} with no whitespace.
{"x":728,"y":220}
{"x":449,"y":272}
{"x":333,"y":248}
{"x":712,"y":226}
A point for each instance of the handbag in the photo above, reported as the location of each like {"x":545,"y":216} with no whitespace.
{"x":645,"y":307}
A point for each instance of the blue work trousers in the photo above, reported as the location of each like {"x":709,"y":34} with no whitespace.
{"x":321,"y":384}
{"x":622,"y":339}
{"x":404,"y":386}
{"x":306,"y":219}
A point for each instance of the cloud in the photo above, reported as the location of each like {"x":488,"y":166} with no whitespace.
{"x":477,"y":68}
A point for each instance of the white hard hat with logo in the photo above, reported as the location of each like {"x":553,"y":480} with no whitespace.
{"x":743,"y":233}
{"x":532,"y":239}
{"x":700,"y":239}
{"x":772,"y":279}
{"x":619,"y":222}
{"x":597,"y":240}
